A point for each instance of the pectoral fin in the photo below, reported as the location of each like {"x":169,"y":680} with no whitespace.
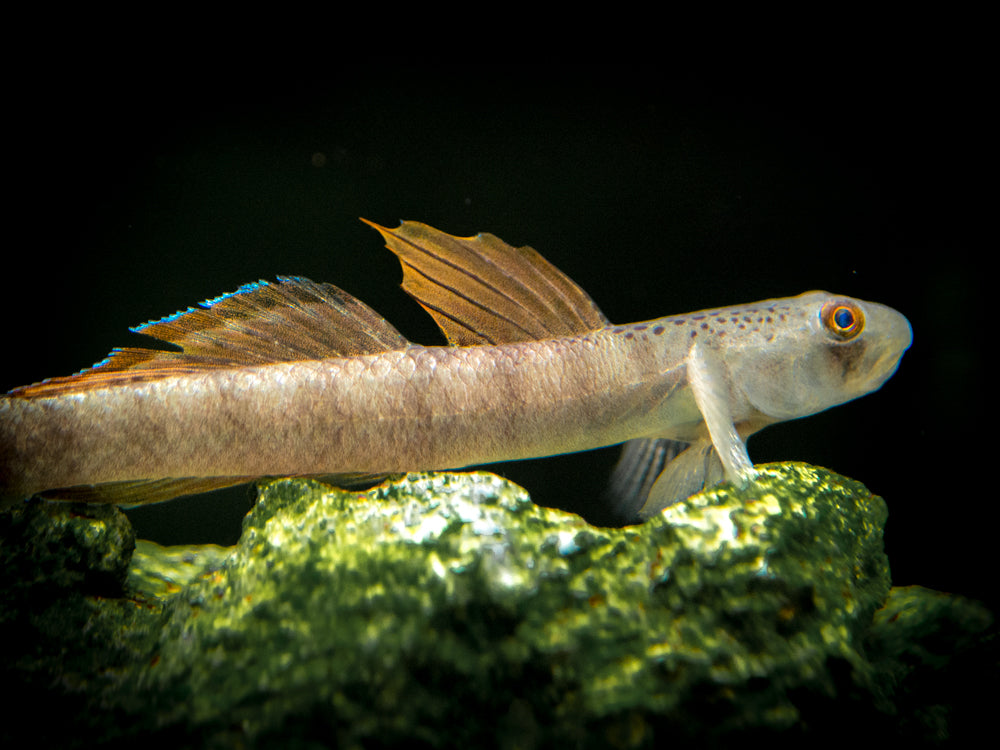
{"x":706,"y":377}
{"x":655,"y":473}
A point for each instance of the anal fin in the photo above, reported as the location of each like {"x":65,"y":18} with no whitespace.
{"x":143,"y":491}
{"x":150,"y":491}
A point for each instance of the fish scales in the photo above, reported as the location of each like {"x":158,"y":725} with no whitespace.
{"x":416,"y":408}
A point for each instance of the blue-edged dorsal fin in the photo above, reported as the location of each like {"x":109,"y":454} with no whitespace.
{"x":260,"y":323}
{"x":480,"y":290}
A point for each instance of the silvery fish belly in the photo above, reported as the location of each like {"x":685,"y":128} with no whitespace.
{"x":300,"y":378}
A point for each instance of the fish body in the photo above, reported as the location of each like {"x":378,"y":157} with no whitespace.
{"x":298,"y":378}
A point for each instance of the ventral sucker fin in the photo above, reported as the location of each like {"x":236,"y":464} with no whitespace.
{"x":638,"y":467}
{"x":260,"y":323}
{"x":480,"y":290}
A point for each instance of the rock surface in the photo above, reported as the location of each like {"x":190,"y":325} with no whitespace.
{"x":448,"y":610}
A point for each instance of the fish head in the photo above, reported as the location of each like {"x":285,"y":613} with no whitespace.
{"x":827,"y":350}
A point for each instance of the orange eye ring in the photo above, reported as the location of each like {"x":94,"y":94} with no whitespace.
{"x":843,"y":318}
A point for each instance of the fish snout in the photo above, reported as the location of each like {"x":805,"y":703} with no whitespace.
{"x":890,"y":335}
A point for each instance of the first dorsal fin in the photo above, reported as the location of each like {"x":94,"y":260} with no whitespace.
{"x":260,"y":323}
{"x":480,"y":290}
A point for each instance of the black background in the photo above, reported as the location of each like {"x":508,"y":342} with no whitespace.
{"x":132,"y":196}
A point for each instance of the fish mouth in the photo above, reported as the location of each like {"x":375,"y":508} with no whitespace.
{"x":898,"y":337}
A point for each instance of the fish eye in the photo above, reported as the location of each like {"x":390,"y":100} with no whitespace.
{"x":842,"y":318}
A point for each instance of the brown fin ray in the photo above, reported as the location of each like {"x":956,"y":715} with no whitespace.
{"x":143,"y":491}
{"x":480,"y":290}
{"x":150,"y":491}
{"x":260,"y":323}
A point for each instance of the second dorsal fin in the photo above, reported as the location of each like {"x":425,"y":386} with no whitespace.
{"x":260,"y":323}
{"x":480,"y":290}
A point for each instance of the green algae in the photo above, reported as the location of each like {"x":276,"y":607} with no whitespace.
{"x":448,"y":609}
{"x":925,"y":644}
{"x":159,"y":572}
{"x":358,"y":600}
{"x":71,"y":546}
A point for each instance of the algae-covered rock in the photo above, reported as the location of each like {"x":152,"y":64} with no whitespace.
{"x":82,"y":548}
{"x":64,"y":620}
{"x":932,"y":648}
{"x":449,"y":610}
{"x":160,"y":572}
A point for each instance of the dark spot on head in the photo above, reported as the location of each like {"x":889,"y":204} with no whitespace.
{"x":658,"y":330}
{"x":680,"y":321}
{"x":704,"y":326}
{"x":640,"y":327}
{"x":693,"y":334}
{"x":697,"y":317}
{"x":617,"y":329}
{"x":846,"y":356}
{"x":630,"y":335}
{"x":769,"y":319}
